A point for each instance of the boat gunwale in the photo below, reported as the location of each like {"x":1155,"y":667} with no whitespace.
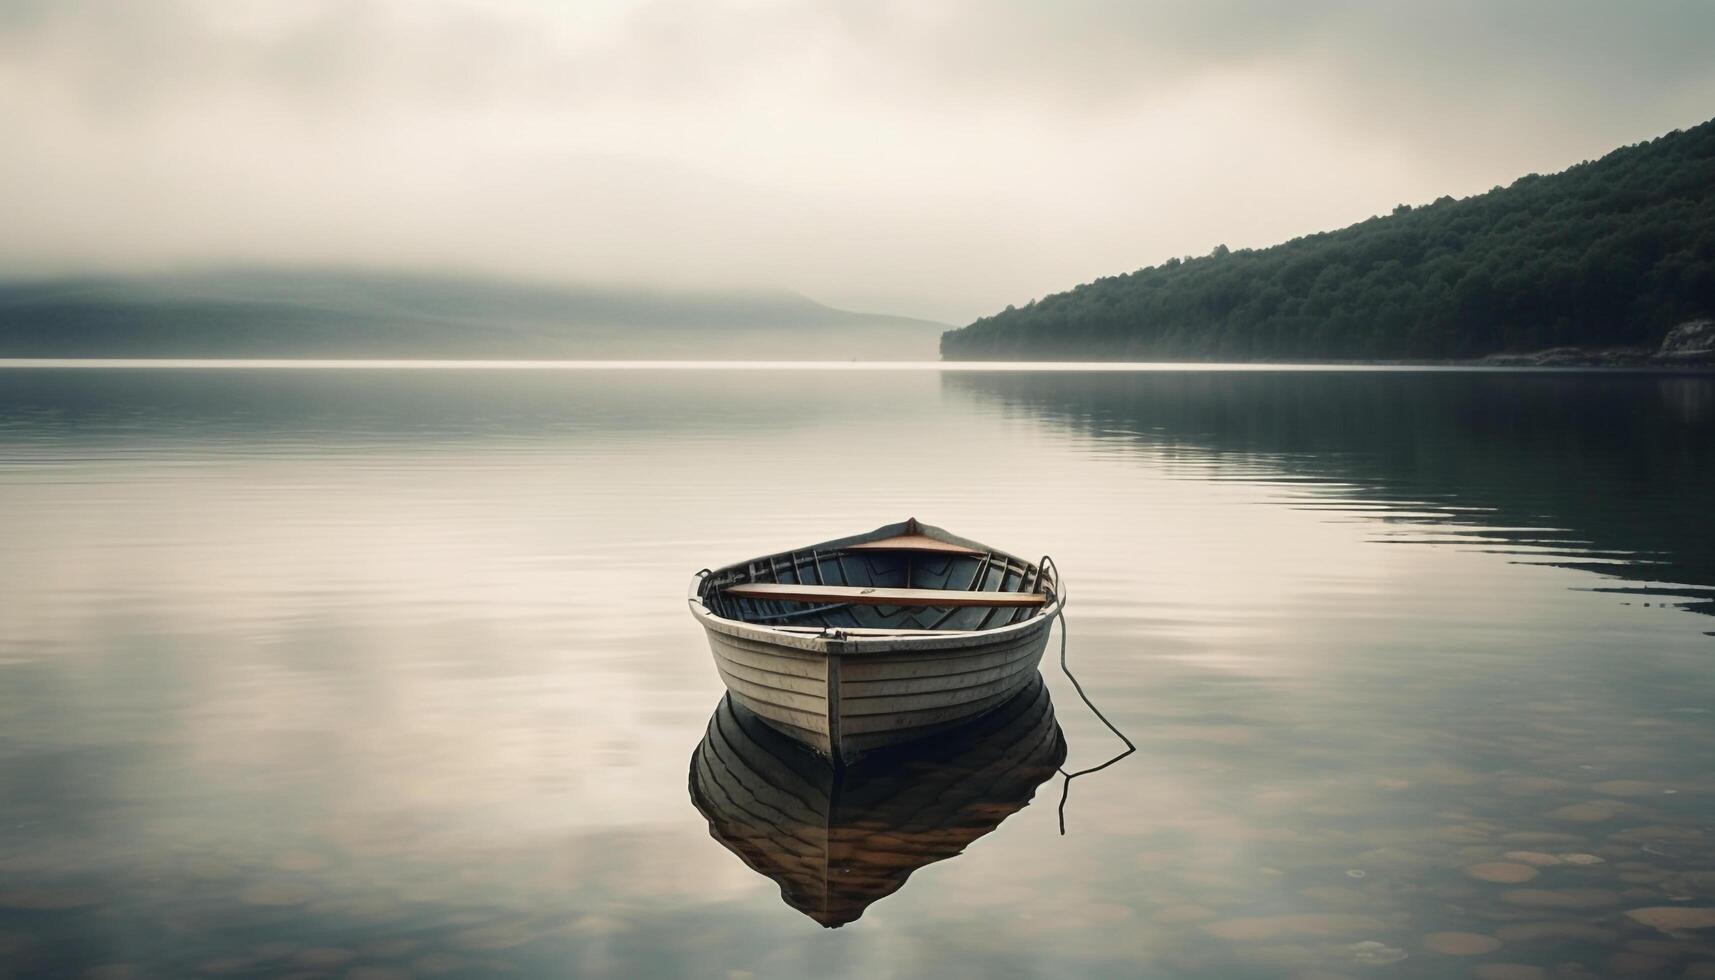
{"x":859,"y":645}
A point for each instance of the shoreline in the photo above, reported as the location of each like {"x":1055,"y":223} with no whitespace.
{"x":1688,"y":347}
{"x":1483,"y":366}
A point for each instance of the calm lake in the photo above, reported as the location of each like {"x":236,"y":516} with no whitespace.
{"x":382,"y":673}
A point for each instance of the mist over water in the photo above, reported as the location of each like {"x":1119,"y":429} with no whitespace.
{"x":390,"y":670}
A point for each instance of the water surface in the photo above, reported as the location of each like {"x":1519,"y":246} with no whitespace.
{"x":377,"y":673}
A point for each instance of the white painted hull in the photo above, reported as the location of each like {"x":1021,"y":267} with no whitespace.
{"x":860,"y":702}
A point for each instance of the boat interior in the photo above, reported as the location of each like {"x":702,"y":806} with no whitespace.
{"x":902,"y":583}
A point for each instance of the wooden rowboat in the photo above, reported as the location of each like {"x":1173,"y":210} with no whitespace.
{"x":838,"y":840}
{"x":877,"y":639}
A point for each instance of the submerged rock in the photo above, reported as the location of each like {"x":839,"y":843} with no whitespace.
{"x":1536,"y":858}
{"x":1501,"y":872}
{"x":1674,"y":918}
{"x":1460,"y":943}
{"x":1594,"y":811}
{"x":1371,"y":953}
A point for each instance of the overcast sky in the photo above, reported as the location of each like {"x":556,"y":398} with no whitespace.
{"x":939,"y":158}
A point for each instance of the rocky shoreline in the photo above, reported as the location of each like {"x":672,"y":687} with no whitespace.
{"x":1689,"y":345}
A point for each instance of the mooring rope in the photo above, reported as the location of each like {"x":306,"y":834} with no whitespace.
{"x":1065,"y":668}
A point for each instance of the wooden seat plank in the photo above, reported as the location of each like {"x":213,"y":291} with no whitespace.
{"x":912,"y":542}
{"x":870,"y":596}
{"x":866,"y":631}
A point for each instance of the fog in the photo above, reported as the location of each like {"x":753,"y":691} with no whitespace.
{"x":934,"y":160}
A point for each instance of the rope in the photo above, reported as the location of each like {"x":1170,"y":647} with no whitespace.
{"x":1066,"y":787}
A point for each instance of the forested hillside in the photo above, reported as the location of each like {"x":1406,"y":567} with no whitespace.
{"x":1611,"y":252}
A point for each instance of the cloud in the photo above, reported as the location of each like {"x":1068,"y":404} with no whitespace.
{"x":940,"y":159}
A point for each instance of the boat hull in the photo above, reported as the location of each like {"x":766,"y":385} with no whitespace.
{"x":845,"y":703}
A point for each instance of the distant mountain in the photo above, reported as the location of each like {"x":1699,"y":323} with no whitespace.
{"x":304,"y":313}
{"x":1610,"y":253}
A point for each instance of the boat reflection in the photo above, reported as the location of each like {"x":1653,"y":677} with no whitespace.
{"x":839,"y":840}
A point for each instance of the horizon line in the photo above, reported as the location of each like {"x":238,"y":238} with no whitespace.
{"x":463,"y":364}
